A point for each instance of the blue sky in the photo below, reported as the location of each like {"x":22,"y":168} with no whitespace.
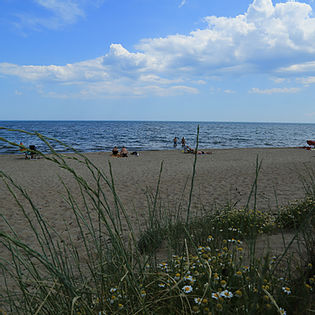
{"x":199,"y":60}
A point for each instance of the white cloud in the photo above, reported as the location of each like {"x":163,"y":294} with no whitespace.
{"x":304,"y":67}
{"x":307,"y":80}
{"x":183,"y":2}
{"x":229,"y":91}
{"x":54,"y":14}
{"x":66,"y":10}
{"x":200,"y":82}
{"x":274,"y":90}
{"x":265,"y":39}
{"x":87,"y":71}
{"x":278,"y":80}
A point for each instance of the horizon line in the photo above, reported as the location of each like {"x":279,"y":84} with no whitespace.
{"x":140,"y":120}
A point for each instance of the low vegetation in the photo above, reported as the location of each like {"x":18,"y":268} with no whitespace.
{"x":206,"y":265}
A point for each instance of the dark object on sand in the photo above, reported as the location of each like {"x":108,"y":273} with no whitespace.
{"x":33,"y":148}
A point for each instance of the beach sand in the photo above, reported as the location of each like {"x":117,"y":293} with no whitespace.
{"x":225,"y":176}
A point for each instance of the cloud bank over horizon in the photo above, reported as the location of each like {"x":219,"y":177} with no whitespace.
{"x":276,"y":41}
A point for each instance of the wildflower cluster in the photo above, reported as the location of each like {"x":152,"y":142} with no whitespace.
{"x":296,"y":213}
{"x":215,"y":279}
{"x":242,"y":221}
{"x":111,"y":302}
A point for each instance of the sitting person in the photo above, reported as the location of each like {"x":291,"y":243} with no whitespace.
{"x":188,"y":149}
{"x":32,"y":148}
{"x":123,"y":152}
{"x":23,"y":149}
{"x":115,"y":151}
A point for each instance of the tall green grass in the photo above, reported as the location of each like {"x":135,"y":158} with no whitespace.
{"x":209,"y":264}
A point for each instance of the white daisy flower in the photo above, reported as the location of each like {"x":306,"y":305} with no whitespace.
{"x":112,"y":290}
{"x":189,"y":278}
{"x":215,"y":295}
{"x":226,"y":294}
{"x":282,"y":311}
{"x":286,"y":290}
{"x":187,"y":288}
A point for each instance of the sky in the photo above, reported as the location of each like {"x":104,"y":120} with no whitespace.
{"x":175,"y":60}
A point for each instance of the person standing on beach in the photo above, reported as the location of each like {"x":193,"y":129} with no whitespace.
{"x":183,"y":142}
{"x":175,"y":141}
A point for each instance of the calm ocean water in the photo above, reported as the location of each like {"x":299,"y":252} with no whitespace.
{"x":91,"y":136}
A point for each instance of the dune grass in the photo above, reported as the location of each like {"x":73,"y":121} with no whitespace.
{"x":209,"y":264}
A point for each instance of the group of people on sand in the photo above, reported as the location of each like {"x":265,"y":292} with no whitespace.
{"x":122,"y":153}
{"x":30,"y":152}
{"x":186,"y":148}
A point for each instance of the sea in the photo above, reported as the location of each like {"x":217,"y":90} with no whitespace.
{"x":94,"y":136}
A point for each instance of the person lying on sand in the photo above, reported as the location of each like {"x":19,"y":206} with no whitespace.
{"x":203,"y":152}
{"x":187,"y":149}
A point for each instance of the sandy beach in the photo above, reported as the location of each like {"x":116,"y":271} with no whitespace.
{"x":225,"y":176}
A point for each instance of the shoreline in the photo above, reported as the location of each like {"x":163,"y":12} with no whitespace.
{"x":179,"y":149}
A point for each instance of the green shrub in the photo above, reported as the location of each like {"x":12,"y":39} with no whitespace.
{"x":297,"y":213}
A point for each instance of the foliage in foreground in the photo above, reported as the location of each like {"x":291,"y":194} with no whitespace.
{"x":212,"y":281}
{"x":210,"y":274}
